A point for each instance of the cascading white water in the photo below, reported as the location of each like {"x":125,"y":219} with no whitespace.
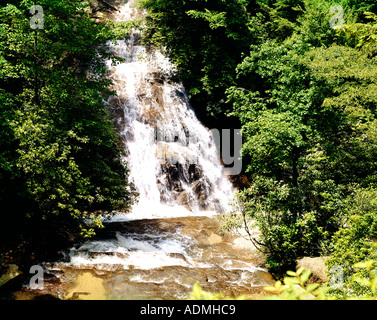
{"x":172,"y":160}
{"x":172,"y":157}
{"x":174,"y":165}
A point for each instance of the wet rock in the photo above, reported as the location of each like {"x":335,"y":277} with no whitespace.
{"x":263,"y":278}
{"x":159,"y":77}
{"x":87,"y":287}
{"x":104,"y":5}
{"x":175,"y":175}
{"x":197,"y":186}
{"x":183,"y":199}
{"x":116,"y":254}
{"x":201,"y":190}
{"x":169,"y":160}
{"x":195,"y":173}
{"x":116,"y":109}
{"x":178,"y":256}
{"x":157,"y":94}
{"x":243,"y":243}
{"x":151,"y":115}
{"x":214,"y":239}
{"x":11,"y":272}
{"x":156,"y":78}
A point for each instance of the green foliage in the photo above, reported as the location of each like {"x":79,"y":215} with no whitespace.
{"x":368,"y":283}
{"x":274,"y":120}
{"x":356,"y":241}
{"x":295,"y":286}
{"x":308,"y":131}
{"x":293,"y":221}
{"x":62,"y":153}
{"x":362,"y":35}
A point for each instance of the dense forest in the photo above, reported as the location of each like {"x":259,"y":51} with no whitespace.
{"x":60,"y":156}
{"x":299,"y":77}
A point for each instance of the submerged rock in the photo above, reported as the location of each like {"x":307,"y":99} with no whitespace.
{"x":86,"y":287}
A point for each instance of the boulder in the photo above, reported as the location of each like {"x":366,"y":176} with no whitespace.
{"x":317,"y":266}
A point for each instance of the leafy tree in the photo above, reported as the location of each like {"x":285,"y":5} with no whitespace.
{"x":62,"y":155}
{"x":308,"y":136}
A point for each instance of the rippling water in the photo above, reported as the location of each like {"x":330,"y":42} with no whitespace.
{"x":158,"y":259}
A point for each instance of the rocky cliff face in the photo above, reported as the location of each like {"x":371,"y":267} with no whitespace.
{"x":101,"y":9}
{"x":105,"y":5}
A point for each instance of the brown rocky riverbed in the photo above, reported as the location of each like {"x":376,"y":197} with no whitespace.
{"x":155,"y":259}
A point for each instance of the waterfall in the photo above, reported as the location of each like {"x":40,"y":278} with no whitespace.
{"x":169,"y":240}
{"x":173,"y":159}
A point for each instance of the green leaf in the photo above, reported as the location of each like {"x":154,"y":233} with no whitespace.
{"x":291,"y":273}
{"x":196,"y":291}
{"x":299,"y":271}
{"x":270,"y":289}
{"x":311,"y":287}
{"x":364,"y":265}
{"x":363,"y":281}
{"x":305,"y":276}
